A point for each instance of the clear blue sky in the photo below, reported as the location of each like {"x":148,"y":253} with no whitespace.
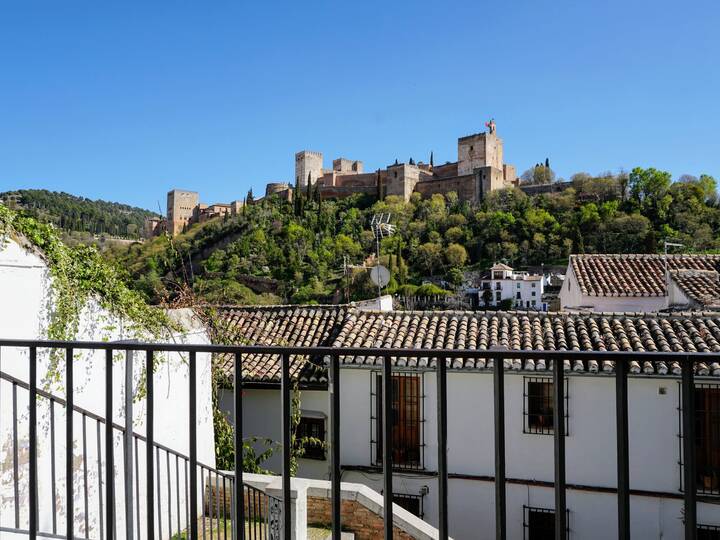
{"x":125,"y":100}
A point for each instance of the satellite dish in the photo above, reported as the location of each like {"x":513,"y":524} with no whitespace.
{"x":380,"y":275}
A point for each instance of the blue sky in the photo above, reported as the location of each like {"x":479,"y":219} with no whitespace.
{"x":125,"y":100}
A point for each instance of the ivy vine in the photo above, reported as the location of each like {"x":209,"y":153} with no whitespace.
{"x":80,"y":274}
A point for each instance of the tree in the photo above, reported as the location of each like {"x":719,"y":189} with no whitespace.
{"x":456,"y":255}
{"x":539,"y":174}
{"x":429,"y":257}
{"x":649,"y":192}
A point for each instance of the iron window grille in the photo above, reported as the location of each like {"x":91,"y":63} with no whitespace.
{"x":708,"y":532}
{"x":408,"y":416}
{"x":707,"y":438}
{"x":411,"y":503}
{"x":538,"y":406}
{"x":312,"y":428}
{"x":539,"y":523}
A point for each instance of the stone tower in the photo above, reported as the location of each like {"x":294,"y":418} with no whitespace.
{"x":479,"y":150}
{"x":180,"y":205}
{"x":308,"y":163}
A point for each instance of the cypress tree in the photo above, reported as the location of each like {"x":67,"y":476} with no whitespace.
{"x":431,"y":158}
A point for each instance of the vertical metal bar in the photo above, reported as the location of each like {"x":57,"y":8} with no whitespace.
{"x":239,"y":498}
{"x":159,"y":492}
{"x":128,"y":447}
{"x":442,"y":448}
{"x":559,"y":439}
{"x":202,"y":482}
{"x":16,"y":469}
{"x":193,"y":446}
{"x":335,"y":445}
{"x":33,"y":525}
{"x":53,"y":474}
{"x":85,"y":476}
{"x":109,"y":447}
{"x":98,"y":446}
{"x":224,"y":508}
{"x":623,"y":457}
{"x":177,"y":484}
{"x":499,"y":395}
{"x":286,"y":450}
{"x":688,"y":420}
{"x":69,"y":484}
{"x":169,"y":493}
{"x":387,"y":447}
{"x":150,"y":446}
{"x":137,"y":490}
{"x":186,"y":466}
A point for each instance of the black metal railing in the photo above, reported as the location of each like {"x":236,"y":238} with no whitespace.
{"x":170,"y":480}
{"x":557,"y":359}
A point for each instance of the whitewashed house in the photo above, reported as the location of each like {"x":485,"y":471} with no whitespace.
{"x":641,"y":283}
{"x":501,"y":282}
{"x":27,"y":298}
{"x":654,"y":394}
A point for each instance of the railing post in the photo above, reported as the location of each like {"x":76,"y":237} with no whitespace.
{"x":499,"y":395}
{"x":688,"y":423}
{"x":387,"y":447}
{"x":33,"y":525}
{"x":286,"y":426}
{"x":109,"y":447}
{"x":149,"y":447}
{"x":238,"y":485}
{"x":335,"y":444}
{"x":128,"y":445}
{"x":559,"y":440}
{"x":442,"y":448}
{"x":69,"y":439}
{"x":192,"y":367}
{"x":623,"y":459}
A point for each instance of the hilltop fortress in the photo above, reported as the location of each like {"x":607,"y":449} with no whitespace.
{"x":479,"y":169}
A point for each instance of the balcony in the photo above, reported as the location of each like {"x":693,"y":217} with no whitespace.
{"x":183,"y":487}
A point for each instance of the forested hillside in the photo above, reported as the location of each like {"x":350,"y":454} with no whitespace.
{"x":72,"y":213}
{"x":279,"y":251}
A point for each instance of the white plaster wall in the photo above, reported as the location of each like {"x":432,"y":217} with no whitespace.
{"x":590,"y":449}
{"x":25,"y":290}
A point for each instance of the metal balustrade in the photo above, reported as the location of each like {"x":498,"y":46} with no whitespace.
{"x":192,"y":469}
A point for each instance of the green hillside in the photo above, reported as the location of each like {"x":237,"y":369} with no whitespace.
{"x":78,"y":214}
{"x":278,"y":251}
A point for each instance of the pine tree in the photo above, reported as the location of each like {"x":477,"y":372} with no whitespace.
{"x":547,"y":163}
{"x":431,"y":159}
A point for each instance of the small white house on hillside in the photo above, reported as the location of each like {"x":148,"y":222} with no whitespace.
{"x":27,"y":297}
{"x":501,"y":282}
{"x":654,"y":394}
{"x":641,"y":283}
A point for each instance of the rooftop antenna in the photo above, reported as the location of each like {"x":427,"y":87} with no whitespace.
{"x":667,"y":271}
{"x":382,"y":228}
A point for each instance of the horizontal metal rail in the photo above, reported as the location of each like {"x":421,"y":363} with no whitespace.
{"x":218,"y":515}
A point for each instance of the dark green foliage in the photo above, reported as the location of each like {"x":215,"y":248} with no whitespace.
{"x":72,"y":213}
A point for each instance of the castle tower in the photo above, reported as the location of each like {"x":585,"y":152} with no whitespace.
{"x":180,"y":205}
{"x":479,"y":150}
{"x":308,"y":163}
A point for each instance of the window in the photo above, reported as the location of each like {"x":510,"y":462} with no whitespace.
{"x":518,"y":296}
{"x":707,"y":438}
{"x":518,"y":285}
{"x":411,"y":503}
{"x":533,"y":293}
{"x":533,"y":285}
{"x":498,"y":286}
{"x":539,"y":523}
{"x":538,"y":405}
{"x":407,"y":419}
{"x":312,"y":427}
{"x":498,"y":296}
{"x":533,"y":303}
{"x":708,"y":532}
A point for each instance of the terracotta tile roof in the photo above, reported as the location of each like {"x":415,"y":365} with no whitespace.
{"x":302,"y":326}
{"x":702,"y":286}
{"x":348,"y":327}
{"x":633,"y":275}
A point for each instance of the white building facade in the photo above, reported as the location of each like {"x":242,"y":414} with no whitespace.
{"x":523,"y":290}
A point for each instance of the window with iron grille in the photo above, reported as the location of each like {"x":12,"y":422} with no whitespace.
{"x":538,"y":406}
{"x":539,"y":523}
{"x":312,"y":428}
{"x":411,"y":503}
{"x":708,"y":532}
{"x":407,"y":414}
{"x":707,"y":438}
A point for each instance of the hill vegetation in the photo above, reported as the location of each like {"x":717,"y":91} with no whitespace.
{"x":279,"y":251}
{"x":78,"y":214}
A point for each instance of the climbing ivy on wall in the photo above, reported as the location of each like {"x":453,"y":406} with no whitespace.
{"x":80,"y":274}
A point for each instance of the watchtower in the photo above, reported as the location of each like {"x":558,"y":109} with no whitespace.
{"x":308,"y":163}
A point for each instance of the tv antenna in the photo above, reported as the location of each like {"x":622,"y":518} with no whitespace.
{"x":382,"y":228}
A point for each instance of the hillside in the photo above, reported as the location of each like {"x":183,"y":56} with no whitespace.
{"x":279,"y":251}
{"x":78,"y":214}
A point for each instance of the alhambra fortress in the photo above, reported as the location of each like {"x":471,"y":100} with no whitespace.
{"x":479,"y":169}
